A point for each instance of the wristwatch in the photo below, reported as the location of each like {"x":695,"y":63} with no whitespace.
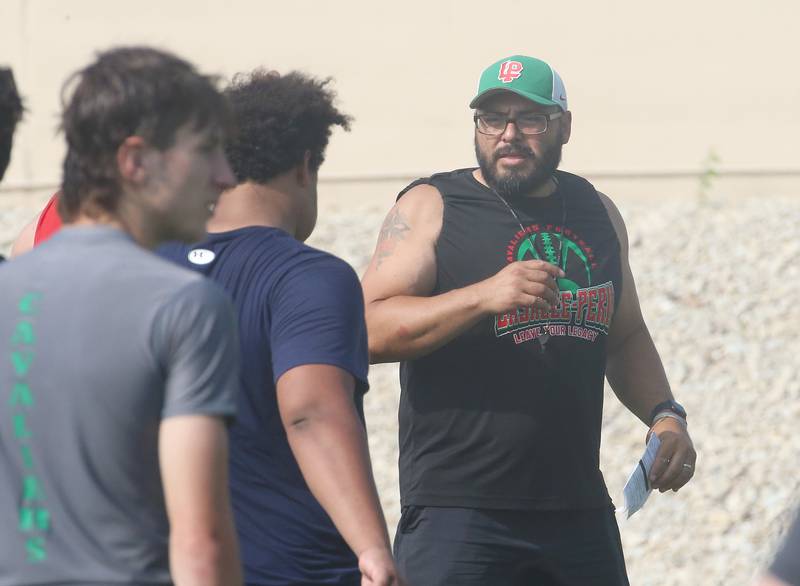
{"x":672,"y":406}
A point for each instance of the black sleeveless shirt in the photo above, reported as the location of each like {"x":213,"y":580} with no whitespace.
{"x":492,"y":420}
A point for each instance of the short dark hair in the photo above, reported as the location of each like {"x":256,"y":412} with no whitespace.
{"x":10,"y":113}
{"x":279,"y":118}
{"x":128,"y":91}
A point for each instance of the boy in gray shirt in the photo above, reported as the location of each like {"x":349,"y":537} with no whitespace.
{"x":120,"y":369}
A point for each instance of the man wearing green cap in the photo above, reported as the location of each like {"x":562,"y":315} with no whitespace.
{"x":505,"y":291}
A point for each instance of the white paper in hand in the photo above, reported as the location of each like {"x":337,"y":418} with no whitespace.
{"x":638,"y":488}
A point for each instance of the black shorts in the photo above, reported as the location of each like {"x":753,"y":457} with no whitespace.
{"x":438,"y":546}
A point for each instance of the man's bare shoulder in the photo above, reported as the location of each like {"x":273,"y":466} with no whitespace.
{"x":422,"y":202}
{"x":611,"y":207}
{"x":416,"y":217}
{"x":404,"y":261}
{"x":616,"y":218}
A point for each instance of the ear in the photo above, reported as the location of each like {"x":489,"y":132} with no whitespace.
{"x":130,"y":159}
{"x":305,"y":176}
{"x":566,"y":127}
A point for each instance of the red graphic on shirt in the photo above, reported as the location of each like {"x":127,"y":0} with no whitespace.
{"x":584,"y":308}
{"x":584,"y":313}
{"x":509,"y":71}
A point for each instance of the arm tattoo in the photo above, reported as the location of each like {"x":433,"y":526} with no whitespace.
{"x":394,"y":228}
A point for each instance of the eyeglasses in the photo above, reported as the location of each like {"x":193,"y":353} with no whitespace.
{"x":494,"y":124}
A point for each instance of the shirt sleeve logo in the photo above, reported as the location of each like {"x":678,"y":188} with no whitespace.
{"x":201,"y":256}
{"x":509,"y":71}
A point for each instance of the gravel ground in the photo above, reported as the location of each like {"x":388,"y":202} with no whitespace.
{"x":715,"y":280}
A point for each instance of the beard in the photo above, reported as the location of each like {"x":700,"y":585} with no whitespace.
{"x":516,"y":183}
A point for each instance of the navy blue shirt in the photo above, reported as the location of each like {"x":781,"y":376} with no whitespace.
{"x":296,"y":305}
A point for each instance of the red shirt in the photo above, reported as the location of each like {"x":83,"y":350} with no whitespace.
{"x":49,"y":221}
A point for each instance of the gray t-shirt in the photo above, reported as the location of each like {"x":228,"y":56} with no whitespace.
{"x":99,"y":341}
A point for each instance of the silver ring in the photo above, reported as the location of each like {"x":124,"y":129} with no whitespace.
{"x":665,"y":460}
{"x":688,"y":466}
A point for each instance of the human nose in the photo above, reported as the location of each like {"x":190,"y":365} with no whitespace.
{"x":510,"y":131}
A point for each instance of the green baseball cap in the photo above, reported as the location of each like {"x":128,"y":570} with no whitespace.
{"x":526,"y":76}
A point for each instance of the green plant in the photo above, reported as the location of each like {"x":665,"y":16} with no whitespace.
{"x":707,"y":176}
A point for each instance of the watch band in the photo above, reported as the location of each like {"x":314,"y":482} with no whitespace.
{"x":668,"y":415}
{"x":669,"y":405}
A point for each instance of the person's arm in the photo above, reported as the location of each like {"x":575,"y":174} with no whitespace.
{"x":636,"y":374}
{"x":403,"y":320}
{"x":195,"y":341}
{"x":202,"y":541}
{"x":329,"y":442}
{"x":318,"y":342}
{"x":24,"y":241}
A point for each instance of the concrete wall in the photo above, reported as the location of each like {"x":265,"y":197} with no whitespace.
{"x":654,"y":87}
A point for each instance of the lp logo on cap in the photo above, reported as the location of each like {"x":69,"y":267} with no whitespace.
{"x":509,"y":71}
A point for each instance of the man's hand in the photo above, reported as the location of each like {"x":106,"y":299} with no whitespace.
{"x":675,"y":460}
{"x":520,"y":284}
{"x":378,"y":569}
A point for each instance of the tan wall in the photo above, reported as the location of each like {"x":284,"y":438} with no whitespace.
{"x":652,"y":86}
